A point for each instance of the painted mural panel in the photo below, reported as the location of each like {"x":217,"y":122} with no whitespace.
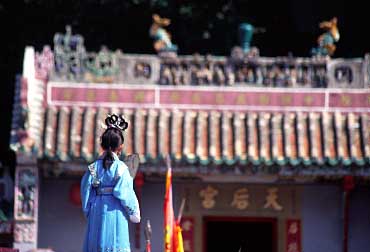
{"x":26,"y":193}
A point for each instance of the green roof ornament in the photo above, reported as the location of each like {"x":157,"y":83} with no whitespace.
{"x":245,"y":36}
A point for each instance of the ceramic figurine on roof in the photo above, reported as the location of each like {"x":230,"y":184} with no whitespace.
{"x":326,"y":46}
{"x":245,"y":36}
{"x":102,"y":66}
{"x":162,"y":38}
{"x":69,"y":53}
{"x":245,"y":33}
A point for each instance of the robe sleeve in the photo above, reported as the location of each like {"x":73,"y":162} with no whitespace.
{"x":86,"y":192}
{"x":124,"y":191}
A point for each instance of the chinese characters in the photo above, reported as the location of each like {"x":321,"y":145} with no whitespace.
{"x":241,"y":198}
{"x":208,"y":194}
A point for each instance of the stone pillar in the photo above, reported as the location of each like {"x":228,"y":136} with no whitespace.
{"x":26,"y":192}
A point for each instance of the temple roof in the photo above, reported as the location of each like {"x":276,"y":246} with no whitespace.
{"x":307,"y":129}
{"x":213,"y":137}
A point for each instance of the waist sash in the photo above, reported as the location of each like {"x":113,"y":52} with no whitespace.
{"x":104,"y":191}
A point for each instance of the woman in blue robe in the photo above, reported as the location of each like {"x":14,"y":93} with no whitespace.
{"x":107,"y":195}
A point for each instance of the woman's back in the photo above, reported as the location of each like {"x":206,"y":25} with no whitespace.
{"x":110,"y":202}
{"x":108,"y":176}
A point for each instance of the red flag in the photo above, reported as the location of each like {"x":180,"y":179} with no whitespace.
{"x":172,"y":231}
{"x":169,"y":217}
{"x":177,"y":237}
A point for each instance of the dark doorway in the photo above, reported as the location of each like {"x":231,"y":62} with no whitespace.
{"x":234,"y":234}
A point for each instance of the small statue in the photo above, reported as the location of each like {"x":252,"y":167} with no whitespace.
{"x":246,"y":32}
{"x":244,"y":50}
{"x":102,"y":66}
{"x":326,"y":41}
{"x":245,"y":36}
{"x":69,"y":53}
{"x":162,"y":38}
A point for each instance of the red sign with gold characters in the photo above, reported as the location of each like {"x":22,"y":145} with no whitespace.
{"x":187,"y":226}
{"x":293,"y":235}
{"x":220,"y":98}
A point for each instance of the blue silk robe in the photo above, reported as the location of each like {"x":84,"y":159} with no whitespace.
{"x":108,"y":214}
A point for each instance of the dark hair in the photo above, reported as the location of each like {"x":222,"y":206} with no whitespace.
{"x":111,"y":140}
{"x":112,"y":137}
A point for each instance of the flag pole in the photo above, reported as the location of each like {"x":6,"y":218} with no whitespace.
{"x":148,"y":235}
{"x":168,"y":161}
{"x":181,"y":210}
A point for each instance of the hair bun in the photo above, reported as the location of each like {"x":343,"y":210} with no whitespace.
{"x":117,"y":122}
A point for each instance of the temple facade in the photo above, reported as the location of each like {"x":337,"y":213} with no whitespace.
{"x":270,"y":154}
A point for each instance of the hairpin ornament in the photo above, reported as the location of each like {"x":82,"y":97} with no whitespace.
{"x":114,"y":121}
